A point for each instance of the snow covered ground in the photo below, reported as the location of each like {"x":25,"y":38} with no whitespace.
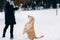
{"x":47,"y":23}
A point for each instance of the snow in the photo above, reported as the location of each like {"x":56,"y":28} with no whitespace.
{"x":47,"y":23}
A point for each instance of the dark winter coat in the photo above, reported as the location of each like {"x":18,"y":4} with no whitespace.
{"x":9,"y":14}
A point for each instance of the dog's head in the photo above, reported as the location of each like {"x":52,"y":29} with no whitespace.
{"x":30,"y":17}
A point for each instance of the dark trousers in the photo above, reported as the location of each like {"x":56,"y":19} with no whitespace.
{"x":11,"y":30}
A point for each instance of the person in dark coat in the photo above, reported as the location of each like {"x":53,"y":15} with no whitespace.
{"x":9,"y":18}
{"x":54,"y":3}
{"x":51,"y":2}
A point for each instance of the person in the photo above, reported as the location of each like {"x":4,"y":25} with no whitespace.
{"x":54,"y":3}
{"x":9,"y":19}
{"x":51,"y":2}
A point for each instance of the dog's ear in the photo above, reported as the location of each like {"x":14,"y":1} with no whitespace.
{"x":24,"y":31}
{"x":28,"y":15}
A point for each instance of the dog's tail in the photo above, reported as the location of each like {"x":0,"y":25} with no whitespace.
{"x":39,"y":37}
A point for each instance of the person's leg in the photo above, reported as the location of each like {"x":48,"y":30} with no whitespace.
{"x":11,"y":31}
{"x":5,"y":29}
{"x":54,"y":5}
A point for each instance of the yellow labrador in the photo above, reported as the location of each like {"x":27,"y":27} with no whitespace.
{"x":29,"y":29}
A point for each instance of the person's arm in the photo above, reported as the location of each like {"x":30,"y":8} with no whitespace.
{"x":16,"y":8}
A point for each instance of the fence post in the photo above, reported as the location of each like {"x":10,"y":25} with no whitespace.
{"x":57,"y":9}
